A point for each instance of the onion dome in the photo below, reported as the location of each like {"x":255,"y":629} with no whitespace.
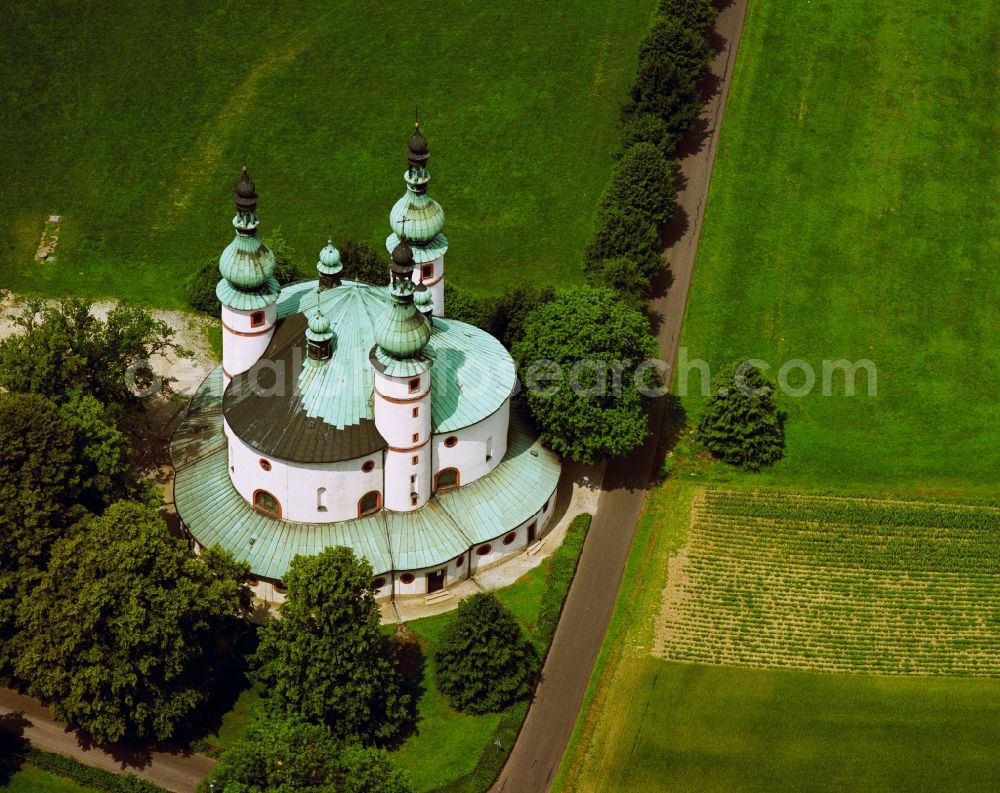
{"x":402,"y":259}
{"x":329,"y":267}
{"x":423,"y":299}
{"x":319,"y":335}
{"x":247,"y":264}
{"x":246,"y":194}
{"x":416,"y":151}
{"x":403,"y":331}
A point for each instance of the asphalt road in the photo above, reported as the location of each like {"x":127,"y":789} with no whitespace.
{"x":535,"y":758}
{"x":174,"y":770}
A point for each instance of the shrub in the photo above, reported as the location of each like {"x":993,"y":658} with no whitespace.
{"x":485,"y":662}
{"x":559,"y":578}
{"x":625,"y":277}
{"x":627,"y":233}
{"x":462,"y":306}
{"x":740,"y":423}
{"x":88,"y":775}
{"x":199,"y":290}
{"x":643,"y":182}
{"x":672,"y":60}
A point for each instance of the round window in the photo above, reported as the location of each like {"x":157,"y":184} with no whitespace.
{"x":510,"y":538}
{"x":378,"y":583}
{"x":482,"y":550}
{"x":368,"y":467}
{"x":406,"y":578}
{"x":450,"y":441}
{"x":265,"y":464}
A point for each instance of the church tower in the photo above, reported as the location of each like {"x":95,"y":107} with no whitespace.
{"x":403,"y":390}
{"x":248,"y":290}
{"x":424,"y":221}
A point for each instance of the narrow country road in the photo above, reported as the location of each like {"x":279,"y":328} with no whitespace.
{"x":174,"y":771}
{"x":535,"y":758}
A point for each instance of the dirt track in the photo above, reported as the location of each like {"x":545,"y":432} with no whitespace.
{"x":535,"y":759}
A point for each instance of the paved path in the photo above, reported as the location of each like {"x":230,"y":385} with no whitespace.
{"x":535,"y":759}
{"x":172,"y":770}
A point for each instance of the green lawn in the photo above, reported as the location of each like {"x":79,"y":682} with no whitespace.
{"x":34,"y":780}
{"x":132,"y":126}
{"x":854,"y":213}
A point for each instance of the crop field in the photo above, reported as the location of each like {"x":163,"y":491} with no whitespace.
{"x":129,"y":123}
{"x":854,"y":213}
{"x":774,"y":579}
{"x":651,"y":724}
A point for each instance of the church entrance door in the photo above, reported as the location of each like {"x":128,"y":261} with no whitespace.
{"x":435,"y":581}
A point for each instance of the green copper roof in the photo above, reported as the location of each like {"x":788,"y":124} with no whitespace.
{"x":472,"y":375}
{"x":403,"y":332}
{"x":329,"y":260}
{"x":247,"y":263}
{"x":449,"y":524}
{"x":424,"y":217}
{"x":248,"y":299}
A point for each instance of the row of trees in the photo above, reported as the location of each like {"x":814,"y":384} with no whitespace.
{"x":664,"y":100}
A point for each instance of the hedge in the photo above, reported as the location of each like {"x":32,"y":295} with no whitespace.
{"x":88,"y":775}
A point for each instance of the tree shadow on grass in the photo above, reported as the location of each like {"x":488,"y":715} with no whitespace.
{"x":13,"y":745}
{"x":411,"y":661}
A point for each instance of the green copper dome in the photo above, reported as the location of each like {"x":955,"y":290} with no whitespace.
{"x":403,"y":331}
{"x":422,"y":298}
{"x":329,"y":259}
{"x":247,"y":263}
{"x":319,"y":326}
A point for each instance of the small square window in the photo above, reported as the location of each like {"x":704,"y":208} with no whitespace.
{"x":414,"y":385}
{"x":427,"y":271}
{"x":416,"y":459}
{"x":256,"y":319}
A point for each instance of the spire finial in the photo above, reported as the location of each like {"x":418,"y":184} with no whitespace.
{"x":416,"y":117}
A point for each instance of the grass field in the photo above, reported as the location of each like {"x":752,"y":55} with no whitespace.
{"x":132,"y":124}
{"x":658,"y":725}
{"x":34,"y":780}
{"x":773,"y":579}
{"x":854,"y":213}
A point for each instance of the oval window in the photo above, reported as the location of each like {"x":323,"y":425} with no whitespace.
{"x":451,"y":441}
{"x":406,"y":578}
{"x":378,"y":583}
{"x":482,"y":550}
{"x":265,"y":464}
{"x":459,"y":561}
{"x":510,"y":538}
{"x":368,"y":466}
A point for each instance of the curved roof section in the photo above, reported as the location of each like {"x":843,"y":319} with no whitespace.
{"x":450,"y":523}
{"x":325,"y":413}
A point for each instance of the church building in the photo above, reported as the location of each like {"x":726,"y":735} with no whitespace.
{"x":354,"y":414}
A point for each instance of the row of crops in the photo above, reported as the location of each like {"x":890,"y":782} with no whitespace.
{"x":837,"y":584}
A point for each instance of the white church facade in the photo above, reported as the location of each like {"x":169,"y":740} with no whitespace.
{"x":353,"y":414}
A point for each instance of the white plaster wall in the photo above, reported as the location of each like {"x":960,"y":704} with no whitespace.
{"x":408,"y":438}
{"x":399,"y":483}
{"x":239,"y":353}
{"x":435,"y":282}
{"x":296,"y":485}
{"x":453,"y":574}
{"x":469,"y":454}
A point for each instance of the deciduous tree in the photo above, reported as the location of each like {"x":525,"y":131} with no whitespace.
{"x":362,"y":261}
{"x":579,"y":362}
{"x":125,"y":627}
{"x":325,"y":660}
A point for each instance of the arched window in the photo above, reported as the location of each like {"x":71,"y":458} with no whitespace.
{"x":266,"y":503}
{"x":370,"y":502}
{"x":446,"y":479}
{"x":321,"y":505}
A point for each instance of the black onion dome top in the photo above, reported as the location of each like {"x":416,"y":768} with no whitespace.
{"x":402,"y":258}
{"x":417,"y":153}
{"x":246,"y":193}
